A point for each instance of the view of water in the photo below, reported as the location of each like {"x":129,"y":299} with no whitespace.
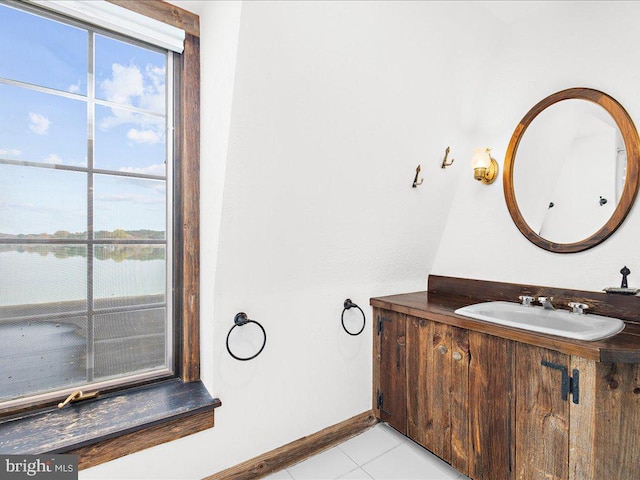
{"x":30,"y":278}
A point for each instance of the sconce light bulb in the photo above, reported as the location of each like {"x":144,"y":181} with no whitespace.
{"x":481,"y":158}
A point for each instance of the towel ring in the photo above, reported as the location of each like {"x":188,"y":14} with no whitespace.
{"x":348,"y":304}
{"x":239,"y":320}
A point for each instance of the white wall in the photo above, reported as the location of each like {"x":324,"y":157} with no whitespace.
{"x":314,"y":118}
{"x":552,"y":46}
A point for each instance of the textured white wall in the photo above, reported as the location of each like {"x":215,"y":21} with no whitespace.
{"x":550,"y":47}
{"x":314,"y":118}
{"x":335,"y":104}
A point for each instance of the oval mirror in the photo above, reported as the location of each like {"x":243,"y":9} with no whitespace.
{"x":571,"y":170}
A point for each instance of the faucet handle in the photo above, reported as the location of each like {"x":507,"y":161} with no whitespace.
{"x":526,"y":300}
{"x":577,"y":307}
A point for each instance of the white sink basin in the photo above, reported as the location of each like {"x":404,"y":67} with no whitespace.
{"x":553,"y":322}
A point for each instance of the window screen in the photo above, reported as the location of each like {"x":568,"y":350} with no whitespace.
{"x":85,"y":207}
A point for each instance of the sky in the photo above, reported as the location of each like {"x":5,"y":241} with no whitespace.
{"x":52,"y":129}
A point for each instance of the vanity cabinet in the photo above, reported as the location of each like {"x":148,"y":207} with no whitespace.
{"x":454,"y":397}
{"x":491,"y":402}
{"x":389,"y":370}
{"x":541,"y":414}
{"x":494,"y":406}
{"x":437,"y":389}
{"x":592,"y":434}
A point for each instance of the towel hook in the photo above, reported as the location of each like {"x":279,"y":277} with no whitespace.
{"x":240,"y":320}
{"x":415,"y":180}
{"x":348,"y":304}
{"x":444,"y":160}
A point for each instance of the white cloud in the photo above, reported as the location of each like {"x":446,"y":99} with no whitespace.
{"x":128,"y":85}
{"x":124,"y":84}
{"x":154,"y":91}
{"x":118,"y":117}
{"x":31,"y":207}
{"x":158,"y":169}
{"x":144,"y":136}
{"x":121,"y":197}
{"x":14,"y":152}
{"x":156,"y":75}
{"x":144,"y":129}
{"x":129,"y":197}
{"x":74,"y":88}
{"x":53,"y":159}
{"x":131,"y":85}
{"x":38,"y":123}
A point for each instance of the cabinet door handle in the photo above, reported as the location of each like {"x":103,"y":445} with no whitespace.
{"x":442,"y":349}
{"x":457,"y":356}
{"x":570,"y":385}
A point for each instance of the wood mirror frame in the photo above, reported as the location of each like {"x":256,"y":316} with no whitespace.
{"x":629,"y":192}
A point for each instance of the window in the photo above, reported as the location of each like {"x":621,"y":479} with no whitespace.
{"x":85,"y":208}
{"x":157,"y":409}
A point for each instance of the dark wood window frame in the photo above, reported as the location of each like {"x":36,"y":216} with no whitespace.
{"x":123,"y":422}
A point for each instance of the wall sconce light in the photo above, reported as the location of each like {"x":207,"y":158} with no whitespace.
{"x":485,"y":167}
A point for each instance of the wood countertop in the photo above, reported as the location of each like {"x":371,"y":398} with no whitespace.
{"x":446,"y":294}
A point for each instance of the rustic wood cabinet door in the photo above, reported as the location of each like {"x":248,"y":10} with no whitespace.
{"x":605,"y":425}
{"x":389,"y":371}
{"x":491,"y":380}
{"x":542,"y":415}
{"x":437,"y":379}
{"x":429,"y":385}
{"x":460,"y":434}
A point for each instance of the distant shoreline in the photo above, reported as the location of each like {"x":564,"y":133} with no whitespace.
{"x":117,"y":253}
{"x":117,"y":234}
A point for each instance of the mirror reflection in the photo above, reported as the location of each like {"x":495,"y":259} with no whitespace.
{"x":570,"y":171}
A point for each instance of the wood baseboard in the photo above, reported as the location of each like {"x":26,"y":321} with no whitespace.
{"x":298,"y":450}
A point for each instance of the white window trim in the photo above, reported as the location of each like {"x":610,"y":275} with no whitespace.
{"x":118,"y":19}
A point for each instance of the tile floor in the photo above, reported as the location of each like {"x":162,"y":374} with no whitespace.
{"x":380,"y":453}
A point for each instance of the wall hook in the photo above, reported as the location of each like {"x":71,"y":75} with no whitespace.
{"x":415,"y":180}
{"x":446,"y":164}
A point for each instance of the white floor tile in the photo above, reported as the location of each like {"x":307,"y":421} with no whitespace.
{"x":281,"y":475}
{"x":435,"y":460}
{"x":392,"y":431}
{"x":327,"y":465}
{"x":380,"y":453}
{"x":370,"y":444}
{"x":357,"y":474}
{"x":405,"y":463}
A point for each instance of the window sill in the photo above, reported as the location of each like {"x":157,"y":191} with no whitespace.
{"x":113,"y":425}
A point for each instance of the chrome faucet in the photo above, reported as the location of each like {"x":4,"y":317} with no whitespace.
{"x":546,"y":302}
{"x":527,"y":300}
